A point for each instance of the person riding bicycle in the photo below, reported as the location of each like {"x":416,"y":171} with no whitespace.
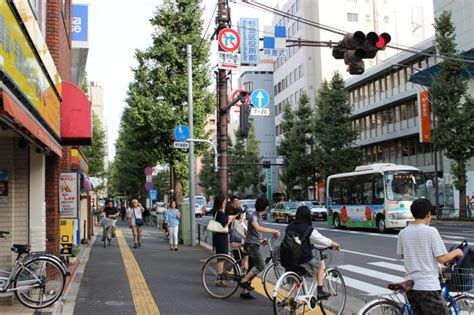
{"x":422,"y":249}
{"x":252,"y":245}
{"x":312,"y":265}
{"x":110,"y":212}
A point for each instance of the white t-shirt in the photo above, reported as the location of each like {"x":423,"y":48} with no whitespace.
{"x":420,"y":244}
{"x":134,"y":213}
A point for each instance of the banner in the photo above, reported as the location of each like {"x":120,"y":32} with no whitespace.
{"x":248,"y":30}
{"x":68,"y":195}
{"x":424,"y":116}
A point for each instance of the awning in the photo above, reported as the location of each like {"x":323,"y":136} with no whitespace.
{"x":426,"y":76}
{"x":76,"y":119}
{"x":19,"y":114}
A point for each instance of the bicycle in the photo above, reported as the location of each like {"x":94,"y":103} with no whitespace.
{"x":223,"y":285}
{"x":293,"y":293}
{"x":107,"y":224}
{"x":37,"y":278}
{"x":397,"y":303}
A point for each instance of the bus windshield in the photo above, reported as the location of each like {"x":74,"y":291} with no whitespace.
{"x":405,"y":185}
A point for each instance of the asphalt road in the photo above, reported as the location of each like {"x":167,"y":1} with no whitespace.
{"x":369,"y":261}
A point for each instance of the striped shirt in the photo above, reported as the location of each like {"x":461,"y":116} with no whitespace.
{"x":420,"y":244}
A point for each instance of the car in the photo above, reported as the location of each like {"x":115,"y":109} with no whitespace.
{"x":318,"y":210}
{"x":209,"y":206}
{"x":199,"y":205}
{"x":285,"y":210}
{"x":248,"y":205}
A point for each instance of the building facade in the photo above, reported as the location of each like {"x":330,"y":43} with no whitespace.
{"x":96,"y":97}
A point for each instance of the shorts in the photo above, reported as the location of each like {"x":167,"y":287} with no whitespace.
{"x":254,"y":252}
{"x":310,"y":267}
{"x":427,"y":302}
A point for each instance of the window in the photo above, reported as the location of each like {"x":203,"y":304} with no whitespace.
{"x":39,"y":9}
{"x":403,"y":112}
{"x":352,"y":17}
{"x":367,"y":18}
{"x":397,"y":113}
{"x":386,"y":19}
{"x":300,"y":70}
{"x":298,"y":5}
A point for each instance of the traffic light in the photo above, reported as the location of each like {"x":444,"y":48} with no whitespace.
{"x":357,"y":46}
{"x":244,"y":120}
{"x":267,"y":164}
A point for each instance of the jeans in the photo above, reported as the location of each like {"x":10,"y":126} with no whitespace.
{"x":173,"y":235}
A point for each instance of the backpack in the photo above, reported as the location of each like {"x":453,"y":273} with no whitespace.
{"x":291,"y":248}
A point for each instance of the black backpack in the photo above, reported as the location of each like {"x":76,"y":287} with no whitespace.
{"x":291,"y":248}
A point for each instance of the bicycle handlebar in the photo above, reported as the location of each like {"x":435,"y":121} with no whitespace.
{"x":2,"y":234}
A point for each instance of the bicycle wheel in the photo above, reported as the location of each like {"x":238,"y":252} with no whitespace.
{"x":288,"y":287}
{"x":464,"y":305}
{"x":220,"y":276}
{"x":270,"y":275}
{"x":39,"y":283}
{"x":334,"y":285}
{"x":381,"y":307}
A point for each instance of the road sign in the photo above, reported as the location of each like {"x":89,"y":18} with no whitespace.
{"x":148,"y":178}
{"x":260,"y":111}
{"x":181,"y":145}
{"x":181,"y":133}
{"x":260,"y":98}
{"x":228,"y":61}
{"x":248,"y":29}
{"x":148,"y":170}
{"x":229,"y":39}
{"x":153,"y":194}
{"x":148,"y":186}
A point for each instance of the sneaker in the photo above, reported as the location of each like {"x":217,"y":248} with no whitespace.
{"x":246,"y":286}
{"x":247,"y":296}
{"x":176,"y":249}
{"x":135,"y":245}
{"x":323,"y":295}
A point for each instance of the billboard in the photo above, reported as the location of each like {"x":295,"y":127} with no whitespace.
{"x":80,"y":20}
{"x":68,"y":195}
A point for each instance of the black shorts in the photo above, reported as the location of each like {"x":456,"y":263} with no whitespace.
{"x":427,"y":302}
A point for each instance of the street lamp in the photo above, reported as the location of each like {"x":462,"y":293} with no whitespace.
{"x":397,"y":66}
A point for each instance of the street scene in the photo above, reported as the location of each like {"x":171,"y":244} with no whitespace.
{"x":238,"y":157}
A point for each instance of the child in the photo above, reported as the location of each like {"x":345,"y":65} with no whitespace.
{"x":422,"y":249}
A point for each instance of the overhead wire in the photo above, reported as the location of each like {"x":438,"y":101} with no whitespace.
{"x":207,"y":27}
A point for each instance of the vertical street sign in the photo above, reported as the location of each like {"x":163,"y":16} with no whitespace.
{"x":249,"y":51}
{"x":269,"y":184}
{"x":153,"y":194}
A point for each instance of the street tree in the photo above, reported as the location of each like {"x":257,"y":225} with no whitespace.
{"x":96,"y":152}
{"x":454,"y":107}
{"x":208,"y":176}
{"x":295,"y":148}
{"x":244,"y":173}
{"x":156,"y":101}
{"x":334,"y":137}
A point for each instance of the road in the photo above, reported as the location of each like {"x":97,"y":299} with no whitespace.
{"x":370,"y":261}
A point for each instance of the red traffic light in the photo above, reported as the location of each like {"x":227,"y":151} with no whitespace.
{"x":383,"y":40}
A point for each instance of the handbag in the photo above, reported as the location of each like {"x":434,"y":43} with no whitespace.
{"x":234,"y":236}
{"x":216,"y":227}
{"x":138,"y":221}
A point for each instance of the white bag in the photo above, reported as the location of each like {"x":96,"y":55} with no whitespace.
{"x":216,"y":227}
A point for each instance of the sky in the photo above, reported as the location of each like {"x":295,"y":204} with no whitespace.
{"x":116,"y":29}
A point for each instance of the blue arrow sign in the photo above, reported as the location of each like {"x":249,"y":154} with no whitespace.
{"x":181,"y":133}
{"x":260,"y":98}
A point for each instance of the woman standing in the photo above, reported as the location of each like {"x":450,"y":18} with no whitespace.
{"x":172,"y":216}
{"x":135,"y":221}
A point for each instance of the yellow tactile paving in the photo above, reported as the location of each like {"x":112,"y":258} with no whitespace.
{"x":142,"y":297}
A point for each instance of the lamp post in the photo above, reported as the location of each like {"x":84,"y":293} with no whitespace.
{"x":396,"y":66}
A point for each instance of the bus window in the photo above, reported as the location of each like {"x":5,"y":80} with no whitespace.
{"x":335,"y":191}
{"x":379,"y":195}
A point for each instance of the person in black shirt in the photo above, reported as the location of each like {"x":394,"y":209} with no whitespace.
{"x":232,"y":207}
{"x":110,"y":212}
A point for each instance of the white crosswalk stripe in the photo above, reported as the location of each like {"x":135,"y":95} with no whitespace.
{"x":388,"y":265}
{"x":371,"y":273}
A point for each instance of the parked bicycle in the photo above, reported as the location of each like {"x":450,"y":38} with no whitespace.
{"x":107,"y":232}
{"x":295,"y":291}
{"x":459,"y":303}
{"x":37,"y":279}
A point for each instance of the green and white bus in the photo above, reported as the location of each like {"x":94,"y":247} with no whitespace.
{"x":374,"y":196}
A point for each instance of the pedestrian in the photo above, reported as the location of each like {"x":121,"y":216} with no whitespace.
{"x":237,"y":234}
{"x":422,"y":249}
{"x":255,"y":230}
{"x":172,"y":216}
{"x":123,"y":210}
{"x":232,"y":207}
{"x":221,"y":240}
{"x":135,"y":221}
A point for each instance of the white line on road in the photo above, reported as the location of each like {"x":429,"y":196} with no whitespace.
{"x":388,"y":265}
{"x":371,"y":273}
{"x":366,"y":287}
{"x":369,"y":255}
{"x":455,"y":237}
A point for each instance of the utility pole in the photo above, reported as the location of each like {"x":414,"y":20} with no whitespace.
{"x":189,"y":56}
{"x":222,"y":20}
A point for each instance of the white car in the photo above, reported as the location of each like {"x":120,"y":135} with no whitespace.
{"x":318,"y":210}
{"x":199,"y":206}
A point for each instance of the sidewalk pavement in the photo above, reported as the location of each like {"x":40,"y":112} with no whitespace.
{"x":172,"y":278}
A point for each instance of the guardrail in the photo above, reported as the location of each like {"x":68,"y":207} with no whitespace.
{"x":203,"y":235}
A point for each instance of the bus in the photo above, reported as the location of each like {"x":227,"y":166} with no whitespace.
{"x":375,"y":196}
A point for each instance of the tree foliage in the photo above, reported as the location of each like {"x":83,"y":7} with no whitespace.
{"x":96,"y":152}
{"x":208,"y":176}
{"x":334,"y":137}
{"x":454,"y":107}
{"x":157,"y":97}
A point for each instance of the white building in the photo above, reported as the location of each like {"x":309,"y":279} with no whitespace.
{"x":96,"y":96}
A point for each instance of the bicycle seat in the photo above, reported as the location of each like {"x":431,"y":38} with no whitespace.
{"x":20,"y":249}
{"x":401,"y":286}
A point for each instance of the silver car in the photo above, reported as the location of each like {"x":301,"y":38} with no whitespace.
{"x":318,"y":210}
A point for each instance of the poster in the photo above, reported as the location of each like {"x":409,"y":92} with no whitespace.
{"x":3,"y":187}
{"x":68,"y":195}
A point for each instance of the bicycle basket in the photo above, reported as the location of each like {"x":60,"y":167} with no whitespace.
{"x":459,"y":279}
{"x":106,"y":222}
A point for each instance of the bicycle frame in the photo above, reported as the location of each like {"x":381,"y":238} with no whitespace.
{"x":24,"y":285}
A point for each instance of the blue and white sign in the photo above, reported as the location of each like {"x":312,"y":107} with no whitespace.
{"x":248,"y":30}
{"x":260,"y":98}
{"x":80,"y":20}
{"x":153,"y":194}
{"x":274,"y":40}
{"x":181,"y":133}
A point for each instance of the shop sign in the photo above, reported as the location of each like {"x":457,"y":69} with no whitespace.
{"x":424,"y":116}
{"x":3,"y":187}
{"x":68,"y":193}
{"x":78,"y":161}
{"x":18,"y":61}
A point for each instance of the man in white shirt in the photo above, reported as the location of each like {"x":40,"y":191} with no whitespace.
{"x":422,"y":249}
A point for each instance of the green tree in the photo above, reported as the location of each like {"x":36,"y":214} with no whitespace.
{"x":243,"y":168}
{"x":295,"y":147}
{"x":95,"y":153}
{"x":157,"y":96}
{"x":208,"y":176}
{"x":334,"y":137}
{"x":454,"y":107}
